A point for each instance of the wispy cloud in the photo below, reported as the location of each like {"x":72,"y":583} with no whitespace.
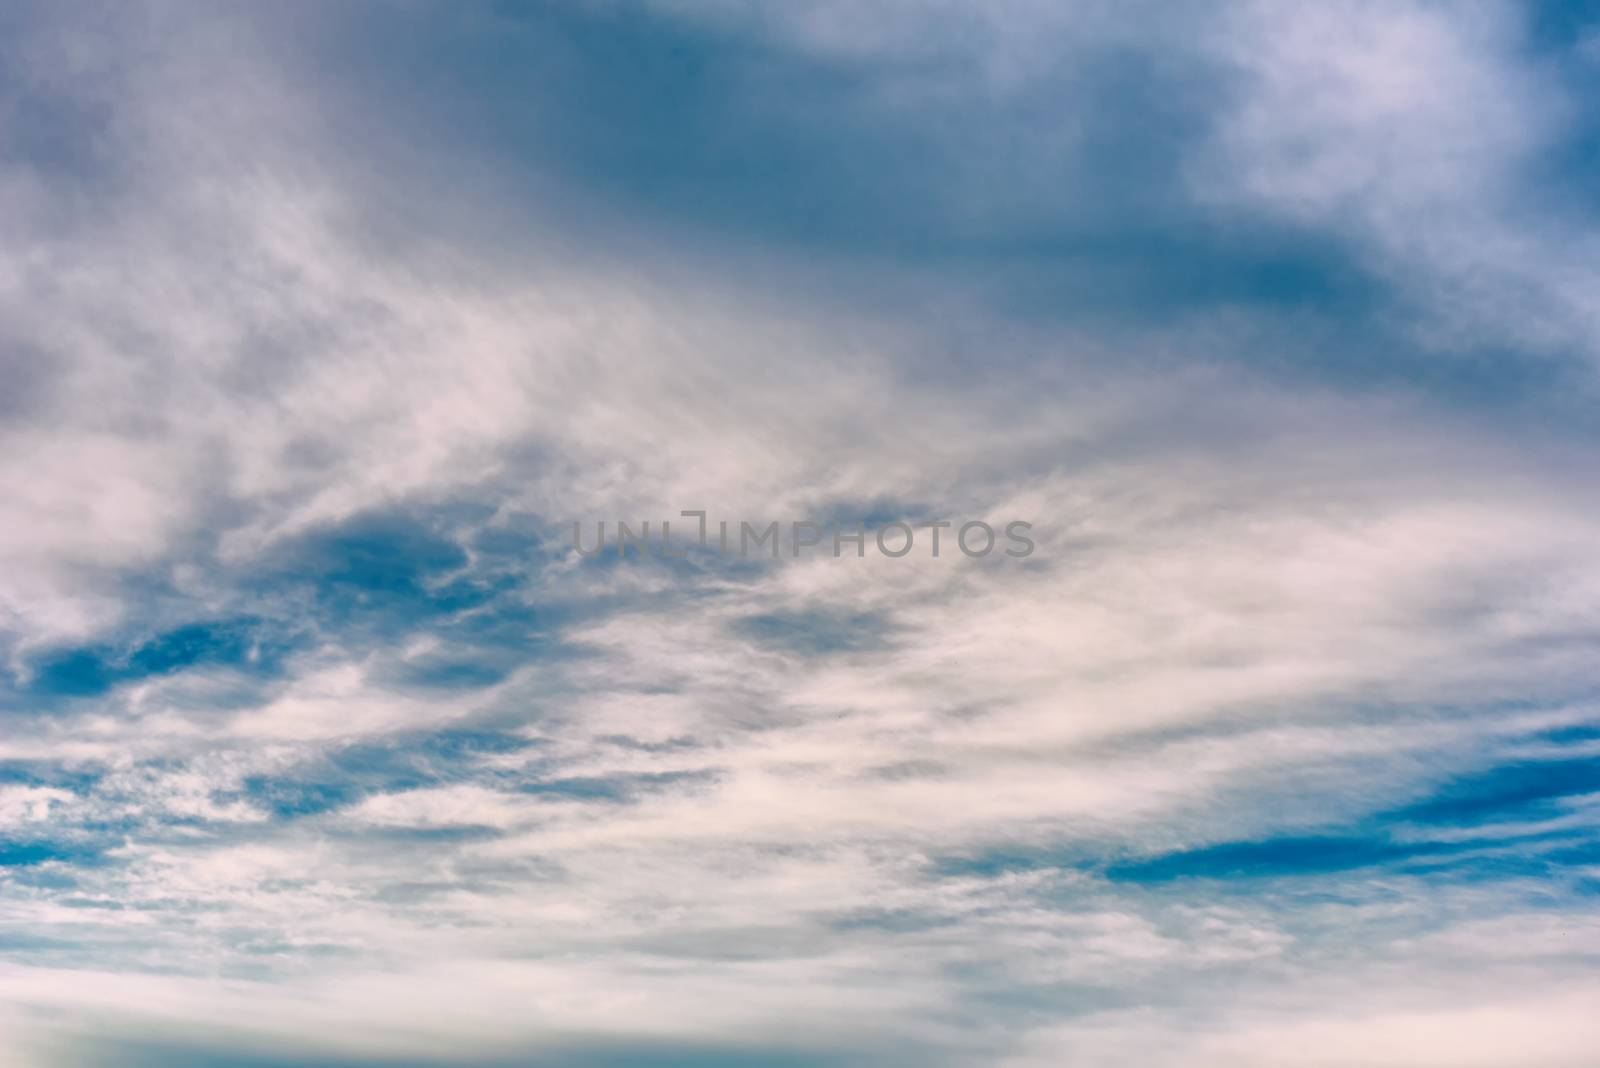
{"x":320,"y":744}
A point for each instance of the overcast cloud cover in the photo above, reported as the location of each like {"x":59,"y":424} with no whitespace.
{"x":321,"y":323}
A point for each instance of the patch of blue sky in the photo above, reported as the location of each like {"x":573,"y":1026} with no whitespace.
{"x":247,"y":645}
{"x":1518,"y":819}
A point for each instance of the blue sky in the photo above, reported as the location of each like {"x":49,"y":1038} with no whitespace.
{"x":321,"y":324}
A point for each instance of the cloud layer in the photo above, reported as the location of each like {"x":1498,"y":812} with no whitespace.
{"x":319,"y":327}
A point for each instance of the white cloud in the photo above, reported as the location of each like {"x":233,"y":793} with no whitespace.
{"x":1256,"y":607}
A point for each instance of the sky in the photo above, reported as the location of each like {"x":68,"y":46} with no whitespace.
{"x":321,"y":325}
